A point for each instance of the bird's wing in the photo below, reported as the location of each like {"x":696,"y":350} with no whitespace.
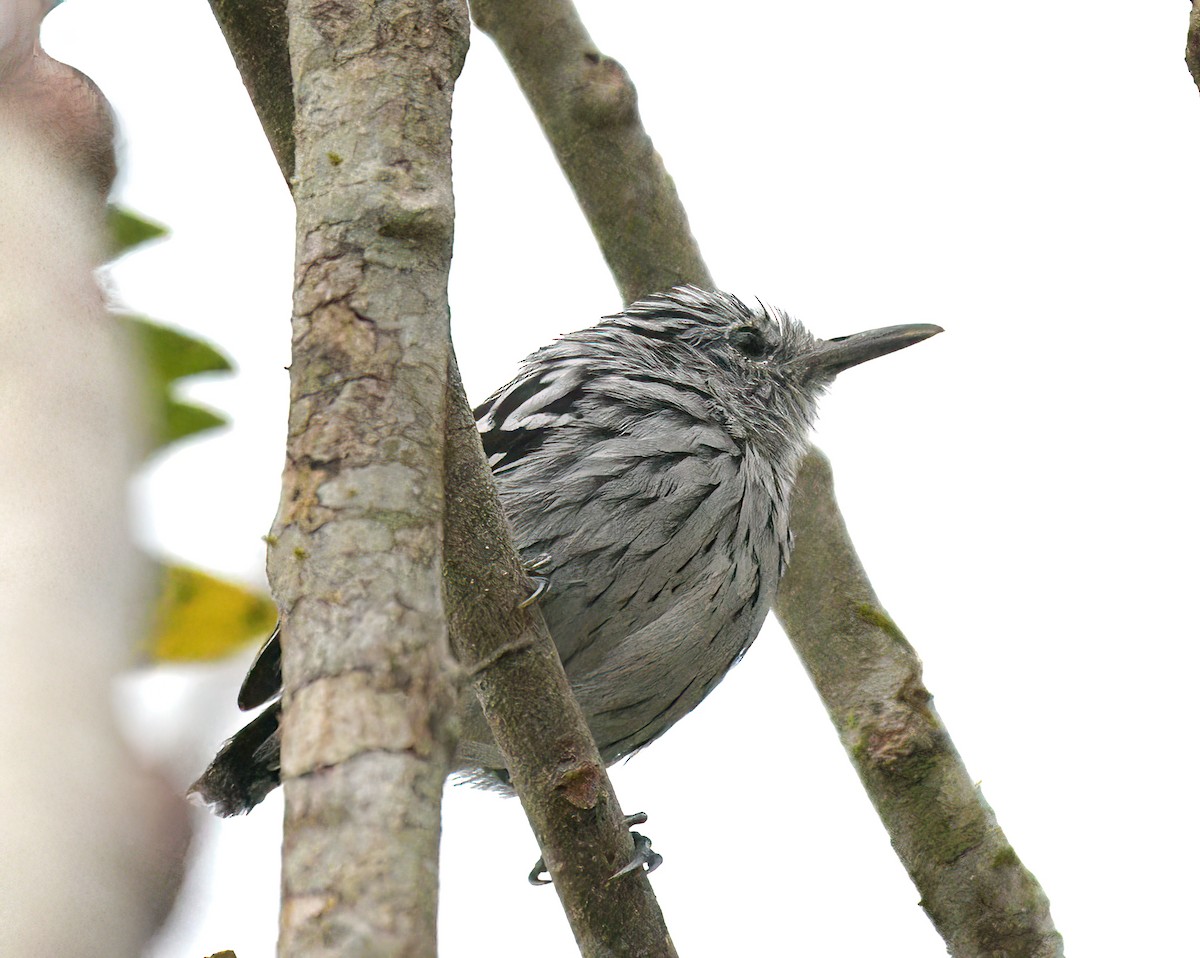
{"x":265,"y":679}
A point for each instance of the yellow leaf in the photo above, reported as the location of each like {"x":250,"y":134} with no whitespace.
{"x":200,"y":617}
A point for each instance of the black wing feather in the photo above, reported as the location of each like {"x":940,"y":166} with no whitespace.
{"x":265,"y":679}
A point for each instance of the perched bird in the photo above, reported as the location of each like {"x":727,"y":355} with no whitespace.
{"x":645,"y":465}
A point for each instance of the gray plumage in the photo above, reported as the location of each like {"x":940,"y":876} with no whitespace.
{"x":651,"y":459}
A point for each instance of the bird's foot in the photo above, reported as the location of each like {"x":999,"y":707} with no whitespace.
{"x":643,"y":855}
{"x":541,"y":583}
{"x":535,"y":876}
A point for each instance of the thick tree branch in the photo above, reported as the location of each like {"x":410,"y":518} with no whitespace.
{"x":551,"y":757}
{"x":356,"y":552}
{"x":826,"y":596}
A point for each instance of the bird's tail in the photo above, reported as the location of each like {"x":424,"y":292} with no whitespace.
{"x":246,"y":768}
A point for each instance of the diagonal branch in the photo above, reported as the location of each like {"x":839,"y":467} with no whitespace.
{"x":257,"y":37}
{"x":548,"y":748}
{"x":588,"y":110}
{"x":980,"y":897}
{"x":826,"y":596}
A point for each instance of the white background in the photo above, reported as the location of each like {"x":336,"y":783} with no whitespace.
{"x":1021,"y":489}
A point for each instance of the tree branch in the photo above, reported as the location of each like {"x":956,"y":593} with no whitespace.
{"x":562,"y":74}
{"x":973,"y":887}
{"x":257,"y":37}
{"x":356,"y":552}
{"x":548,"y":748}
{"x":615,"y":172}
{"x":588,"y":110}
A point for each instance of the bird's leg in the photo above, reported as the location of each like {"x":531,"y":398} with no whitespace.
{"x":643,"y":855}
{"x":541,"y":582}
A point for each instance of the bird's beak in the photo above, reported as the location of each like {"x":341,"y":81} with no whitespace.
{"x":831,"y":356}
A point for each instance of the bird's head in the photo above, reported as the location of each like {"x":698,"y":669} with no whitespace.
{"x":762,"y":368}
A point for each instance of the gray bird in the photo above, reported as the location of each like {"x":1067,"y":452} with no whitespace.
{"x":645,"y":465}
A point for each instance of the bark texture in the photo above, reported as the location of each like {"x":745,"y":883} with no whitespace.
{"x":535,"y":719}
{"x":356,"y":553}
{"x":973,"y":886}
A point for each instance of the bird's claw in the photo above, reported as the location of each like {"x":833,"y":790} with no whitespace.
{"x":535,"y":876}
{"x":643,"y":855}
{"x":541,"y":586}
{"x":541,"y":583}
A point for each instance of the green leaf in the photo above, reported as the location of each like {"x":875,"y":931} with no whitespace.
{"x":200,"y":617}
{"x":183,"y":419}
{"x":171,"y":354}
{"x":127,"y":230}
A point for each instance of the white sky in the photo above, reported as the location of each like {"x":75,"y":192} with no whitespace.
{"x":1021,"y":489}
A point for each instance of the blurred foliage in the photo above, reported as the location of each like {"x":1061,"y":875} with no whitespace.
{"x":173,"y":354}
{"x":127,"y":230}
{"x":200,"y":617}
{"x":168,"y":354}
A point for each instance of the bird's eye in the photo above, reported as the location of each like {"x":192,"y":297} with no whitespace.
{"x":749,"y":341}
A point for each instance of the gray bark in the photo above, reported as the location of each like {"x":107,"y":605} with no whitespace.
{"x":1192,"y":48}
{"x":587,"y":108}
{"x":356,"y":552}
{"x":534,"y":718}
{"x":980,"y":897}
